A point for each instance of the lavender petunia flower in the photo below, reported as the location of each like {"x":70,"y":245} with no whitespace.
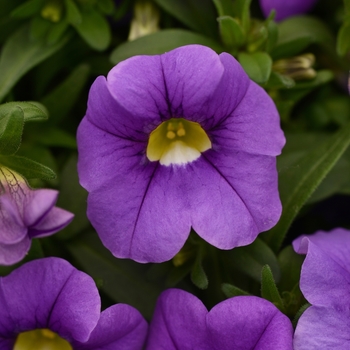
{"x":25,"y":214}
{"x":325,"y":283}
{"x":181,"y":321}
{"x":49,"y":302}
{"x":286,"y":8}
{"x":175,"y":141}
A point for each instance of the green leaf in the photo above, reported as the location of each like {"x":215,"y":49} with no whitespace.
{"x":60,"y":101}
{"x":231,"y":32}
{"x":279,"y":81}
{"x":51,"y":136}
{"x":197,"y":15}
{"x":94,"y":29}
{"x":298,"y":32}
{"x":56,"y":32}
{"x":198,"y":275}
{"x":257,"y":65}
{"x":298,"y":182}
{"x":32,"y":111}
{"x":19,"y":55}
{"x":39,"y":28}
{"x":343,"y":39}
{"x":250,"y":259}
{"x":72,"y":12}
{"x":224,"y":7}
{"x":11,"y":129}
{"x":232,"y":291}
{"x":347,"y":6}
{"x":269,"y":289}
{"x":27,"y":168}
{"x":122,"y":280}
{"x":28,"y":9}
{"x":272,"y":35}
{"x":160,"y":42}
{"x":105,"y":6}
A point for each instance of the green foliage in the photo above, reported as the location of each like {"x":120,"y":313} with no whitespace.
{"x":257,"y":65}
{"x":231,"y":32}
{"x":231,"y":291}
{"x":343,"y":42}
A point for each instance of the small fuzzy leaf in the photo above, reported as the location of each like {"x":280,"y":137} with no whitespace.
{"x":94,"y":29}
{"x":72,"y":12}
{"x":272,"y":35}
{"x":257,"y":65}
{"x":11,"y":129}
{"x":27,"y":168}
{"x":160,"y":42}
{"x":231,"y":32}
{"x":309,"y":30}
{"x":343,"y":40}
{"x":32,"y":111}
{"x":20,"y":54}
{"x":269,"y":289}
{"x":232,"y":291}
{"x":198,"y":275}
{"x":28,"y":9}
{"x":299,"y":181}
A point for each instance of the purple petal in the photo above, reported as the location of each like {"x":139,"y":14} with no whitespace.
{"x":13,"y":253}
{"x":249,"y":323}
{"x":36,"y":204}
{"x":323,"y":328}
{"x":242,"y":202}
{"x":49,"y":293}
{"x":55,"y":220}
{"x":146,"y":216}
{"x":13,"y":230}
{"x":286,"y":8}
{"x":119,"y":327}
{"x":191,"y":75}
{"x":103,"y":155}
{"x":253,"y":127}
{"x":178,"y":322}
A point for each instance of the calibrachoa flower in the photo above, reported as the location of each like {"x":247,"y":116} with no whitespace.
{"x":325,"y":283}
{"x":182,"y":322}
{"x":48,"y":304}
{"x":25,"y":214}
{"x":286,"y":8}
{"x":180,"y":140}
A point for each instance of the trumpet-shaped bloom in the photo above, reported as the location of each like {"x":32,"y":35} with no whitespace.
{"x":180,"y":140}
{"x":181,"y":321}
{"x":49,"y":302}
{"x":286,"y":8}
{"x":25,"y":214}
{"x":325,"y":283}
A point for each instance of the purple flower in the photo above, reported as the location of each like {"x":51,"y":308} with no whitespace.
{"x":180,"y":140}
{"x":51,"y":301}
{"x":25,"y":214}
{"x":325,"y":283}
{"x":181,"y":321}
{"x":286,"y":8}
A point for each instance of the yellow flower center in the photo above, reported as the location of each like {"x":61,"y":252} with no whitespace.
{"x":177,"y":141}
{"x":41,"y":339}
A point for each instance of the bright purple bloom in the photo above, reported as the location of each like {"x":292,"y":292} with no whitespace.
{"x":51,"y":294}
{"x":181,"y":321}
{"x":25,"y":214}
{"x":286,"y":8}
{"x":180,"y":140}
{"x":325,"y":283}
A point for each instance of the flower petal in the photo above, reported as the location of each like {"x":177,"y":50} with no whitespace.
{"x":147,"y":213}
{"x":178,"y":322}
{"x":253,"y":127}
{"x":243,"y":194}
{"x":323,"y":328}
{"x":49,"y":293}
{"x":249,"y":323}
{"x":325,"y":274}
{"x":13,"y":253}
{"x":119,"y":327}
{"x":103,"y":155}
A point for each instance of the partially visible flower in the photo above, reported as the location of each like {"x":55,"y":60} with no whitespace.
{"x":174,"y":141}
{"x":286,"y":8}
{"x":297,"y":68}
{"x":25,"y":214}
{"x":145,"y":20}
{"x":325,"y":283}
{"x":181,"y":321}
{"x":47,"y":302}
